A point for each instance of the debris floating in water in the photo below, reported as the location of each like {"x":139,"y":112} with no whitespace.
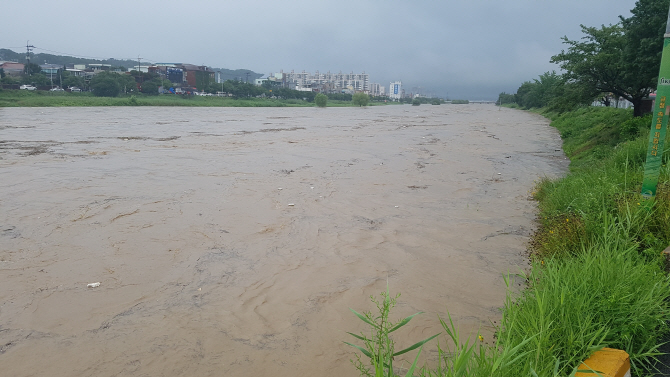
{"x":291,"y":204}
{"x":93,"y":285}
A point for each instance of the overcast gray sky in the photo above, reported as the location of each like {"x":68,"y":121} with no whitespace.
{"x":462,"y":49}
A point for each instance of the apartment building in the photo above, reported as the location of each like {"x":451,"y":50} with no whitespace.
{"x":377,"y":90}
{"x":395,"y":90}
{"x":359,"y":82}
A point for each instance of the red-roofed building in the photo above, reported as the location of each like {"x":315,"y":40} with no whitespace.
{"x":12,"y":68}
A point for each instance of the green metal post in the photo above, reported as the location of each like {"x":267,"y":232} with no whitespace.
{"x":659,"y":122}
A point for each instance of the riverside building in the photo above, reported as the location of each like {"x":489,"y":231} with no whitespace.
{"x":359,"y":82}
{"x":395,"y":90}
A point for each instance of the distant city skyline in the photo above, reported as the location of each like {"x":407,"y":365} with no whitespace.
{"x":473,"y":49}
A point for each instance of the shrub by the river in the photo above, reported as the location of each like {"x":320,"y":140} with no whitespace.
{"x":321,"y":100}
{"x":360,"y":99}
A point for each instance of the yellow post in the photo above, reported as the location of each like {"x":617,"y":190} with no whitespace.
{"x":608,"y":362}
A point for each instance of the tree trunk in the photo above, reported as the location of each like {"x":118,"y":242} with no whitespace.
{"x":637,"y":107}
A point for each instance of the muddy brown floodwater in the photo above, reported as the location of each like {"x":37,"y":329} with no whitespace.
{"x":232,"y":241}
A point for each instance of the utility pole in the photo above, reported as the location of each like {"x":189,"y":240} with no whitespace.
{"x":247,"y":77}
{"x":139,"y":70}
{"x":221,"y":80}
{"x":29,"y":50}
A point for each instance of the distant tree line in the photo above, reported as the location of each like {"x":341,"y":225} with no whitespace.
{"x":620,"y":60}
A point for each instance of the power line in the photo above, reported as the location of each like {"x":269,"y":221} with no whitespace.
{"x":67,"y":54}
{"x":80,"y":56}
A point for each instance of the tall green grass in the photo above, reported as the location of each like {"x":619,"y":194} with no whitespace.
{"x":597,"y":277}
{"x":606,"y":295}
{"x":591,"y":134}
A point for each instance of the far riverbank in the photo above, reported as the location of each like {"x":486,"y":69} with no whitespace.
{"x":23,"y":98}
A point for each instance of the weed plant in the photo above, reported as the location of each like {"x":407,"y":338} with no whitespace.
{"x":472,"y":358}
{"x":456,"y":358}
{"x":379,"y":347}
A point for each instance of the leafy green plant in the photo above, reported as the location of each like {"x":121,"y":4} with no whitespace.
{"x":360,"y":99}
{"x":321,"y":100}
{"x":632,"y":128}
{"x":379,"y":347}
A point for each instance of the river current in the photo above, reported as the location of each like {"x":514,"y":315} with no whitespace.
{"x":233,"y":241}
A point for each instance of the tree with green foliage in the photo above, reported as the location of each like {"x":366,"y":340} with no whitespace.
{"x":540,"y":92}
{"x":623,"y":59}
{"x":416,"y":102}
{"x":166,"y":84}
{"x":106,"y":84}
{"x":151,"y":86}
{"x":37,"y":79}
{"x":10,"y":80}
{"x":360,"y":99}
{"x":203,"y":80}
{"x":321,"y":100}
{"x":31,"y":68}
{"x":571,"y":95}
{"x":308,"y":96}
{"x":505,"y":98}
{"x":127,"y":83}
{"x":240,"y":89}
{"x":339,"y":96}
{"x":68,"y":80}
{"x":2,"y":73}
{"x":644,"y":32}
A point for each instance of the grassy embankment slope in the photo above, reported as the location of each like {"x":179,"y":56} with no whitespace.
{"x":23,"y":98}
{"x":598,"y":275}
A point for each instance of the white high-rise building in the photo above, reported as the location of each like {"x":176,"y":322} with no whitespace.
{"x":359,"y":82}
{"x":395,"y":90}
{"x":377,"y":89}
